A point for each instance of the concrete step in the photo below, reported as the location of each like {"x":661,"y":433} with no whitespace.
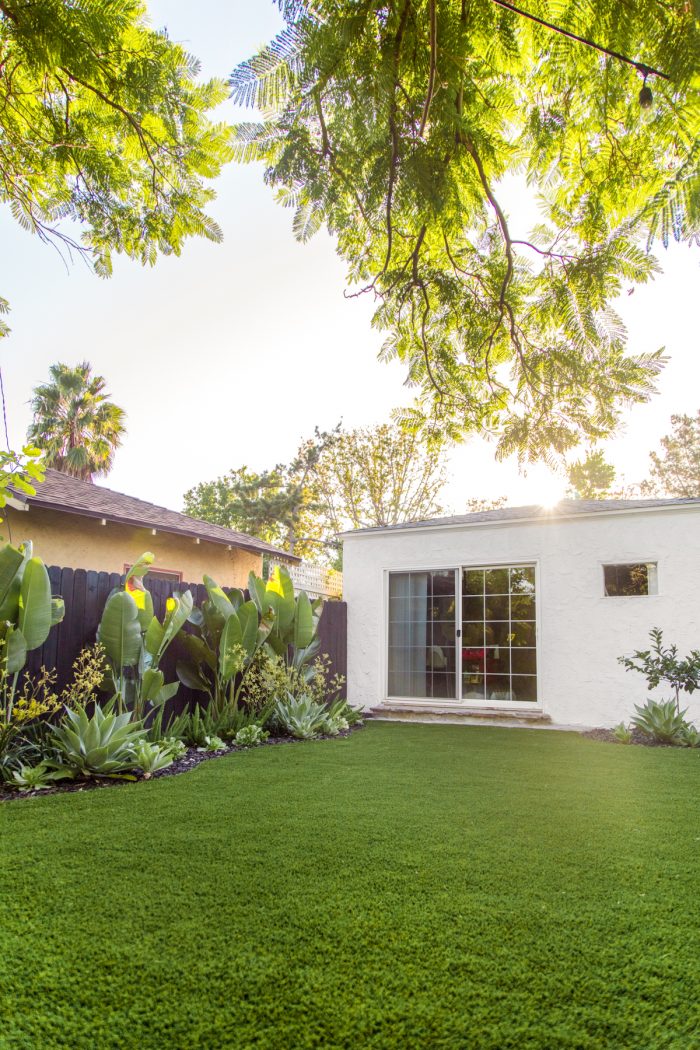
{"x":457,"y":715}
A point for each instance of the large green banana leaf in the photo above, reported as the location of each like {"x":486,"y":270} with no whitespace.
{"x":119,"y":631}
{"x":248,"y":619}
{"x":230,"y":649}
{"x":177,"y":616}
{"x":198,"y":651}
{"x":190,"y":676}
{"x":303,"y":622}
{"x":153,"y":638}
{"x":166,"y":693}
{"x":141,"y":567}
{"x":10,"y":561}
{"x":218,"y":598}
{"x":280,"y":592}
{"x":258,"y":593}
{"x":34,"y":620}
{"x":151,"y":684}
{"x":144,"y":602}
{"x":15,"y":650}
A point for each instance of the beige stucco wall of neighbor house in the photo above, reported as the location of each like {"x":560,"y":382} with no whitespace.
{"x":581,"y":633}
{"x":77,"y":542}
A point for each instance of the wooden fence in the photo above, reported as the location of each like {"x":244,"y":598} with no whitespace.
{"x":85,"y":593}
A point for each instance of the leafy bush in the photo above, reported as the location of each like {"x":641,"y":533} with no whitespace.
{"x":150,"y":757}
{"x":175,"y":746}
{"x":213,"y":743}
{"x":689,"y":736}
{"x":271,"y":679}
{"x":302,"y":717}
{"x":251,"y":735}
{"x":102,"y":745}
{"x":660,"y":721}
{"x":24,"y":723}
{"x":37,"y":778}
{"x":661,"y":664}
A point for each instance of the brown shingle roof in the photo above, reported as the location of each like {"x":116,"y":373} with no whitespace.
{"x":64,"y":493}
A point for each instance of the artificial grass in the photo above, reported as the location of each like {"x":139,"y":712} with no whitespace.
{"x":410,"y":886}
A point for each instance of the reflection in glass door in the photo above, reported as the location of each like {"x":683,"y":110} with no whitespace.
{"x":422,"y":635}
{"x":499,"y":654}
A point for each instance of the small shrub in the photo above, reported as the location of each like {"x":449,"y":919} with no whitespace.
{"x":622,"y":733}
{"x":37,"y":778}
{"x":660,"y":664}
{"x":213,"y":743}
{"x":660,"y":721}
{"x":689,"y":736}
{"x":251,"y":735}
{"x":192,"y":727}
{"x":176,"y":747}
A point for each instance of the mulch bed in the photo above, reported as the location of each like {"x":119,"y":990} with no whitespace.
{"x":190,"y":760}
{"x":640,"y":739}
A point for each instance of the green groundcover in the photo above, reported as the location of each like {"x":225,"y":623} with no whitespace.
{"x":410,"y":886}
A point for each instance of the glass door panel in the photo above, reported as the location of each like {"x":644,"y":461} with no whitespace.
{"x":499,"y":654}
{"x":422,"y":628}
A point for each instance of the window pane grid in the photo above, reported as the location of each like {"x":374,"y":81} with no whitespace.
{"x":422,"y":642}
{"x":499,"y":655}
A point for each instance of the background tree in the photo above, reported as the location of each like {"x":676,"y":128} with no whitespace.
{"x":102,"y":122}
{"x":591,"y":477}
{"x":75,"y":424}
{"x":480,"y":504}
{"x":379,"y":475}
{"x":396,"y":125}
{"x":281,"y":506}
{"x":675,"y":471}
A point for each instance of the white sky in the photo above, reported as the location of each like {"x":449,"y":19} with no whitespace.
{"x":232,"y":353}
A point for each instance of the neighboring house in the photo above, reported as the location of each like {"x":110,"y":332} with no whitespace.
{"x":79,"y":525}
{"x":317,"y":581}
{"x":521,"y":611}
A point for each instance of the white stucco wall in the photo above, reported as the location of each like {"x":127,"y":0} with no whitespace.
{"x":580,"y":632}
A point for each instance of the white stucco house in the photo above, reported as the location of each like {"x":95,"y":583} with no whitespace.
{"x":522,"y":611}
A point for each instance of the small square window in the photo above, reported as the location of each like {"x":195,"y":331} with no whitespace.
{"x":630,"y":580}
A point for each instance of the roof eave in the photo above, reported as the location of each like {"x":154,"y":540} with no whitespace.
{"x":538,"y":520}
{"x":262,"y":549}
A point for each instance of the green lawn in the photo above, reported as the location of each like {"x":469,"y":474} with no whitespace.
{"x":411,"y":886}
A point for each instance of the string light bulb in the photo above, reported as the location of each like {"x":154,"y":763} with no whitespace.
{"x":646,"y":97}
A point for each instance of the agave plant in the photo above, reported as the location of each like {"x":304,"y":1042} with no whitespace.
{"x":150,"y":757}
{"x":622,"y":733}
{"x":300,"y":716}
{"x":336,"y":720}
{"x":660,"y":721}
{"x":101,"y":745}
{"x":135,"y":641}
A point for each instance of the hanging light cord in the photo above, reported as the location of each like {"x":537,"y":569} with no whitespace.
{"x":641,"y":67}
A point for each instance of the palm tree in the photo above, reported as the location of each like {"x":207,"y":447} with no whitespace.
{"x":75,"y":424}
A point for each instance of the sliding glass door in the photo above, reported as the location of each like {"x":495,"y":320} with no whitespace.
{"x":489,"y":650}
